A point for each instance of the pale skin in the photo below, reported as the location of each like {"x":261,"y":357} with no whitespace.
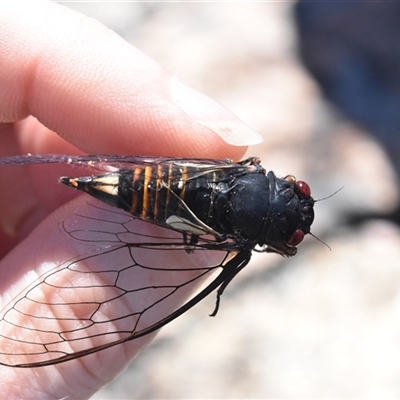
{"x":65,"y":73}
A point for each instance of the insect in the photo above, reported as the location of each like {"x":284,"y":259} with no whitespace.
{"x":168,"y":222}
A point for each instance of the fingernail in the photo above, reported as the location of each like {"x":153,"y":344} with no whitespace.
{"x":207,"y":112}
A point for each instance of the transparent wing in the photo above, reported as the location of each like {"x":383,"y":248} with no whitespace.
{"x":105,"y":159}
{"x":107,"y":163}
{"x":130,"y":278}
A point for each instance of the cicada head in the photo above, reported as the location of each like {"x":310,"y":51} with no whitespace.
{"x":289,"y":216}
{"x":275,"y":213}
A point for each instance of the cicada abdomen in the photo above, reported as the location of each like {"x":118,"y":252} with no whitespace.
{"x":180,"y":195}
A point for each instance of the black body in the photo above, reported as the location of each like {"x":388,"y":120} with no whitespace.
{"x":232,"y":200}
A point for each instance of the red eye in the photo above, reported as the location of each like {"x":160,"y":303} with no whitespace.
{"x":296,"y":238}
{"x":304,"y":189}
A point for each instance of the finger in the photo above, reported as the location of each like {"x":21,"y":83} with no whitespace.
{"x":99,"y":93}
{"x":88,"y":85}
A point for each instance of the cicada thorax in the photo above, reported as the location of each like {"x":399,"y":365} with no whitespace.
{"x":176,"y":196}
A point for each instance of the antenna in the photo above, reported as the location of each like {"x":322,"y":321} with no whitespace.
{"x":331,"y":195}
{"x":325,"y":198}
{"x":320,"y":240}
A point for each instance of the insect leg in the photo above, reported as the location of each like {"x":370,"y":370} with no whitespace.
{"x":232,"y":268}
{"x":190,"y":243}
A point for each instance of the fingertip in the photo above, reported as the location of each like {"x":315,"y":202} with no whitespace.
{"x":209,"y":114}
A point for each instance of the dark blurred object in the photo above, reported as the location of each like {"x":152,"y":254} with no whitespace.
{"x":353,"y":51}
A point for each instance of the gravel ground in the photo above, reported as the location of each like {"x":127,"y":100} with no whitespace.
{"x":325,"y":323}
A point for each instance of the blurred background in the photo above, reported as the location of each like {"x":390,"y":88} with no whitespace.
{"x":320,"y":82}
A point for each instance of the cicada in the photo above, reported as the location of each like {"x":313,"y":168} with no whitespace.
{"x":94,"y":300}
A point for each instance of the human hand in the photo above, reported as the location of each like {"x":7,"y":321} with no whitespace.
{"x":65,"y":73}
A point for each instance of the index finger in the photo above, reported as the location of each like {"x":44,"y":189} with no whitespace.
{"x":103,"y":95}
